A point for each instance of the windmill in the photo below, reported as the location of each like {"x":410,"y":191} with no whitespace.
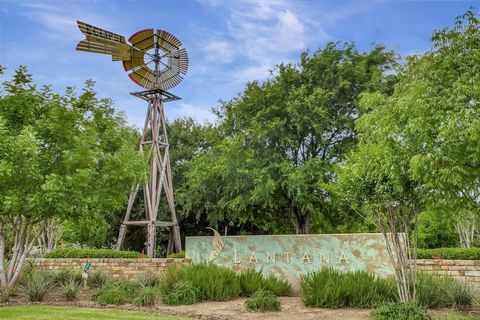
{"x":156,"y":61}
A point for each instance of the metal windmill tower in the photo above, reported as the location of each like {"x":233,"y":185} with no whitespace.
{"x":156,"y":61}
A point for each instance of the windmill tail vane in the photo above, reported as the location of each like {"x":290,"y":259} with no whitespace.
{"x":156,"y":61}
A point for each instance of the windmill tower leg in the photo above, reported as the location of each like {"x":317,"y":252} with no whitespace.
{"x":155,"y":144}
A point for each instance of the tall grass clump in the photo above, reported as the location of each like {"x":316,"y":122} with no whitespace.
{"x":36,"y":283}
{"x":334,"y":289}
{"x":434,"y":291}
{"x":252,"y":280}
{"x":214,"y":283}
{"x":116,"y":292}
{"x":148,"y":279}
{"x":65,"y":276}
{"x":71,"y":289}
{"x":263,"y":300}
{"x":96,"y":279}
{"x":400,"y":311}
{"x":145,"y":296}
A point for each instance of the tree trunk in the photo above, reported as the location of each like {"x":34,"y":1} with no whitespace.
{"x":302,"y":222}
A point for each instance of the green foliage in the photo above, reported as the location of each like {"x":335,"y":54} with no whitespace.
{"x":263,"y":300}
{"x":5,"y":295}
{"x":214,"y":283}
{"x":252,"y":280}
{"x":279,"y":141}
{"x":71,"y":289}
{"x":116,"y":292}
{"x":449,"y":253}
{"x":435,"y":291}
{"x":65,"y":276}
{"x":456,"y":316}
{"x":61,"y":156}
{"x":461,"y":294}
{"x":148,"y":279}
{"x":177,"y":255}
{"x":91,"y":253}
{"x":145,"y":296}
{"x":36,"y":284}
{"x":436,"y":229}
{"x":183,"y":292}
{"x":334,"y":289}
{"x":400,"y":311}
{"x":96,"y":279}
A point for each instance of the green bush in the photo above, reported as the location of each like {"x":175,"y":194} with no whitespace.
{"x":214,"y":283}
{"x":252,"y":280}
{"x":91,"y":253}
{"x":96,"y":279}
{"x":64,"y":276}
{"x":263,"y":300}
{"x":400,"y":311}
{"x":177,"y":255}
{"x":36,"y":284}
{"x":145,"y":296}
{"x":449,"y":253}
{"x":116,"y":292}
{"x":70,"y":289}
{"x":334,"y":289}
{"x":183,"y":293}
{"x":148,"y":279}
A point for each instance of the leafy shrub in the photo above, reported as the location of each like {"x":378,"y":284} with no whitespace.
{"x":449,"y":253}
{"x":334,"y":289}
{"x":183,"y":292}
{"x":252,"y":280}
{"x":70,"y":289}
{"x":116,"y":292}
{"x":177,"y":255}
{"x":148,"y":279}
{"x":96,"y":279}
{"x":36,"y":284}
{"x":213,"y":282}
{"x":400,"y":311}
{"x":263,"y":300}
{"x":91,"y":253}
{"x":64,"y":276}
{"x":145,"y":296}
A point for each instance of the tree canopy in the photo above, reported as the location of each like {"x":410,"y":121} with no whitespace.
{"x":280,"y":140}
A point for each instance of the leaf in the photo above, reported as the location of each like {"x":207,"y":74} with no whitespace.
{"x":217,"y":243}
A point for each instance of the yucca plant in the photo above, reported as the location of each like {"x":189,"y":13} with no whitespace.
{"x":37,"y":284}
{"x":71,"y":289}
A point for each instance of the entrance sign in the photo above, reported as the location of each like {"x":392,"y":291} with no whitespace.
{"x":290,"y":256}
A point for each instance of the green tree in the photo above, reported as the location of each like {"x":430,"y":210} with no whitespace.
{"x":61,"y":157}
{"x":419,"y":147}
{"x":281,"y":139}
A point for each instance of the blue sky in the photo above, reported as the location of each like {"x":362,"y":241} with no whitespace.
{"x":230,"y":42}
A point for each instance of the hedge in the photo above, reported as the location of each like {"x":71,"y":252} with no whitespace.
{"x":91,"y":253}
{"x":449,"y":253}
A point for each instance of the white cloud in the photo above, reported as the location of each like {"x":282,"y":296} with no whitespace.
{"x":221,"y":51}
{"x":201,"y":114}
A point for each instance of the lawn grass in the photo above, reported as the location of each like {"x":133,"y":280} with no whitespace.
{"x":39,"y":312}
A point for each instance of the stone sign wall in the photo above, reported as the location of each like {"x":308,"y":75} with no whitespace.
{"x":290,"y":256}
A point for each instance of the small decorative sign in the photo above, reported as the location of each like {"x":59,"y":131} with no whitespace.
{"x":290,"y":256}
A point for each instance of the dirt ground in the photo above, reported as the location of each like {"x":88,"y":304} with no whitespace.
{"x":292,"y":309}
